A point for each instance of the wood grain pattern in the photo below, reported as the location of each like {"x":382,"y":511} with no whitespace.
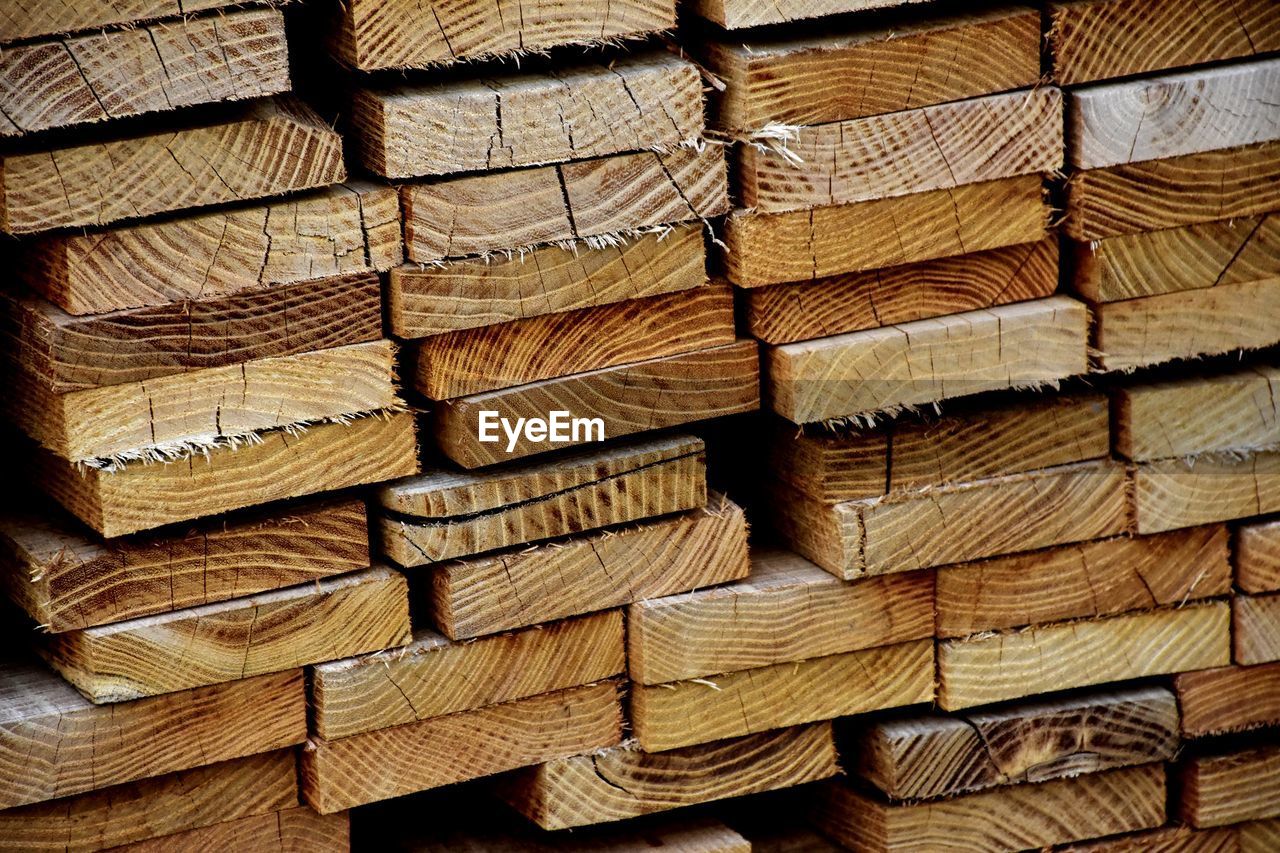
{"x":1259,"y":836}
{"x":270,"y":147}
{"x":1228,"y":699}
{"x":1255,"y":628}
{"x":769,"y":248}
{"x":475,"y":214}
{"x":1169,"y":839}
{"x":931,"y":755}
{"x":925,"y":361}
{"x":786,"y":610}
{"x":629,"y":398}
{"x":737,"y":14}
{"x":292,"y":830}
{"x":512,"y":589}
{"x":681,"y":713}
{"x":1221,"y":789}
{"x":1257,"y":556}
{"x":1180,"y":493}
{"x":378,"y":765}
{"x":623,"y":783}
{"x":985,"y":669}
{"x":50,"y":17}
{"x":444,"y":514}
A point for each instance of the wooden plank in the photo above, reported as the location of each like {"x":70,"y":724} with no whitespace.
{"x":629,"y":398}
{"x":476,"y":214}
{"x":913,"y":63}
{"x":1237,"y":411}
{"x":1169,"y":839}
{"x":512,"y":589}
{"x":1229,"y":788}
{"x":1180,"y":493}
{"x":285,"y":831}
{"x":378,"y":765}
{"x":933,"y":755}
{"x":269,"y":632}
{"x":54,"y":743}
{"x":737,"y":14}
{"x":1101,"y":578}
{"x":860,"y":373}
{"x":140,"y":496}
{"x":1257,"y":553}
{"x":444,"y":514}
{"x":433,"y":676}
{"x":1010,"y":818}
{"x":623,"y":783}
{"x":785,"y":313}
{"x":157,"y":67}
{"x":769,"y":248}
{"x":471,"y":361}
{"x":462,"y":294}
{"x":50,"y":17}
{"x":1228,"y":699}
{"x":349,"y":228}
{"x":985,"y":669}
{"x":1233,"y":183}
{"x":682,"y":713}
{"x":374,"y":34}
{"x":786,"y":610}
{"x":1255,"y":628}
{"x":931,"y":148}
{"x":266,"y":148}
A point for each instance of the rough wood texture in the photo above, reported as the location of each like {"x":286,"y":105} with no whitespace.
{"x":484,"y":595}
{"x":269,"y":147}
{"x":1179,"y":493}
{"x":471,"y":361}
{"x":444,"y":514}
{"x":636,"y":102}
{"x":1255,"y":628}
{"x":769,"y":248}
{"x":1259,"y":836}
{"x":463,"y":294}
{"x":163,"y":66}
{"x":378,"y":765}
{"x":1100,"y":578}
{"x":1223,"y":789}
{"x":788,"y":609}
{"x":986,"y":669}
{"x":476,"y":214}
{"x":373,"y":34}
{"x":935,"y":755}
{"x":65,"y":580}
{"x":295,"y":830}
{"x":737,"y":14}
{"x":787,"y":79}
{"x":681,"y":713}
{"x":925,"y":361}
{"x":49,"y":17}
{"x":1257,"y":556}
{"x":1169,"y":839}
{"x":623,"y":783}
{"x":1017,"y":817}
{"x":54,"y":743}
{"x":1228,"y":699}
{"x":932,"y":148}
{"x":140,"y":496}
{"x":629,"y":398}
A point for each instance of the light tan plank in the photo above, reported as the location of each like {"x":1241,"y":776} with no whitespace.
{"x":737,"y":14}
{"x":1228,"y":699}
{"x":1169,"y":839}
{"x":1221,"y":789}
{"x":1255,"y":628}
{"x":50,"y":17}
{"x":1181,"y":493}
{"x":1257,"y":556}
{"x":286,"y":831}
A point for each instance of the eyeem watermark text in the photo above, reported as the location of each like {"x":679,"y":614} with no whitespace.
{"x":559,"y":427}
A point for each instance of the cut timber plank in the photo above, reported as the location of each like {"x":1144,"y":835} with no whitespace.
{"x":268,"y":632}
{"x":1224,"y":789}
{"x":1255,"y":628}
{"x":858,"y":373}
{"x":737,"y":14}
{"x":286,"y":831}
{"x":1016,"y":817}
{"x":50,"y":17}
{"x":931,"y":148}
{"x":627,"y":399}
{"x":259,"y":785}
{"x":788,"y":609}
{"x":935,"y":755}
{"x":158,"y":67}
{"x":270,"y":147}
{"x":1097,"y":39}
{"x":622,"y":783}
{"x":638,"y":102}
{"x":785,"y":313}
{"x":787,"y":80}
{"x":444,"y":514}
{"x":1228,"y":699}
{"x":1233,"y":183}
{"x":140,"y":496}
{"x":1180,"y":493}
{"x":484,"y":595}
{"x":1182,"y":417}
{"x":471,"y":361}
{"x":1257,"y":555}
{"x":985,"y":669}
{"x":432,"y":676}
{"x":682,"y":713}
{"x":1101,"y":578}
{"x":54,"y":743}
{"x":769,"y":248}
{"x":375,"y":34}
{"x":66,"y":580}
{"x":378,"y":765}
{"x":1169,"y":839}
{"x":476,"y":214}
